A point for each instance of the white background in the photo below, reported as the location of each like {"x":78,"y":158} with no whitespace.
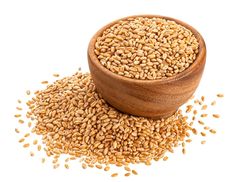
{"x":39,"y":38}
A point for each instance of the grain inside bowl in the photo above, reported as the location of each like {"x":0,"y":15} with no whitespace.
{"x":146,"y":48}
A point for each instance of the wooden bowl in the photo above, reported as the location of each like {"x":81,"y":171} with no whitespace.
{"x":148,"y":98}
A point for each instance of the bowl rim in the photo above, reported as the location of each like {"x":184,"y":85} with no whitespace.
{"x":199,"y":59}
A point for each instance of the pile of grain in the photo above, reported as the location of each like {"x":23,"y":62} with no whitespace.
{"x":73,"y":119}
{"x":146,"y":48}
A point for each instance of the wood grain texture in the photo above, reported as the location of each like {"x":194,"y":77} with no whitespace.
{"x":149,"y":98}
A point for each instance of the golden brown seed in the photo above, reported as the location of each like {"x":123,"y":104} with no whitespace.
{"x":203,"y":142}
{"x":114,"y":175}
{"x":212,"y":131}
{"x":44,"y":82}
{"x":66,"y":166}
{"x":134,"y":172}
{"x":19,"y":108}
{"x":220,"y":95}
{"x":194,"y":131}
{"x":21,"y":140}
{"x":17,"y":115}
{"x":29,"y":124}
{"x":90,"y":165}
{"x":193,"y":118}
{"x":21,"y":121}
{"x":107,"y":168}
{"x":184,"y":151}
{"x":204,"y":107}
{"x":183,"y":144}
{"x":127,"y":174}
{"x":27,"y":135}
{"x":17,"y":130}
{"x":203,"y":134}
{"x":84,"y":166}
{"x":204,"y":115}
{"x":201,"y":122}
{"x":98,"y":166}
{"x":206,"y":128}
{"x":19,"y":101}
{"x":195,"y":112}
{"x":188,"y":140}
{"x":216,"y":115}
{"x":26,"y":145}
{"x":28,"y":92}
{"x":35,"y":142}
{"x":213,"y":103}
{"x":39,"y":147}
{"x":189,"y":108}
{"x":203,"y":98}
{"x":165,"y":158}
{"x":127,"y":168}
{"x":56,"y":75}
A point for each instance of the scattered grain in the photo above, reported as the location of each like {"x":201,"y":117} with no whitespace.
{"x":204,"y":115}
{"x":56,"y":75}
{"x":134,"y":172}
{"x":213,"y":103}
{"x":66,"y":166}
{"x":165,"y":158}
{"x":98,"y":166}
{"x":204,"y":107}
{"x":216,"y":115}
{"x":39,"y":147}
{"x":114,"y":175}
{"x":26,"y":145}
{"x":201,"y":122}
{"x":19,"y":108}
{"x":44,"y":82}
{"x":203,"y":142}
{"x":212,"y":131}
{"x":21,"y":140}
{"x":220,"y":95}
{"x":107,"y":168}
{"x":17,"y":130}
{"x":84,"y":166}
{"x":17,"y":115}
{"x":203,"y":134}
{"x":127,"y":174}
